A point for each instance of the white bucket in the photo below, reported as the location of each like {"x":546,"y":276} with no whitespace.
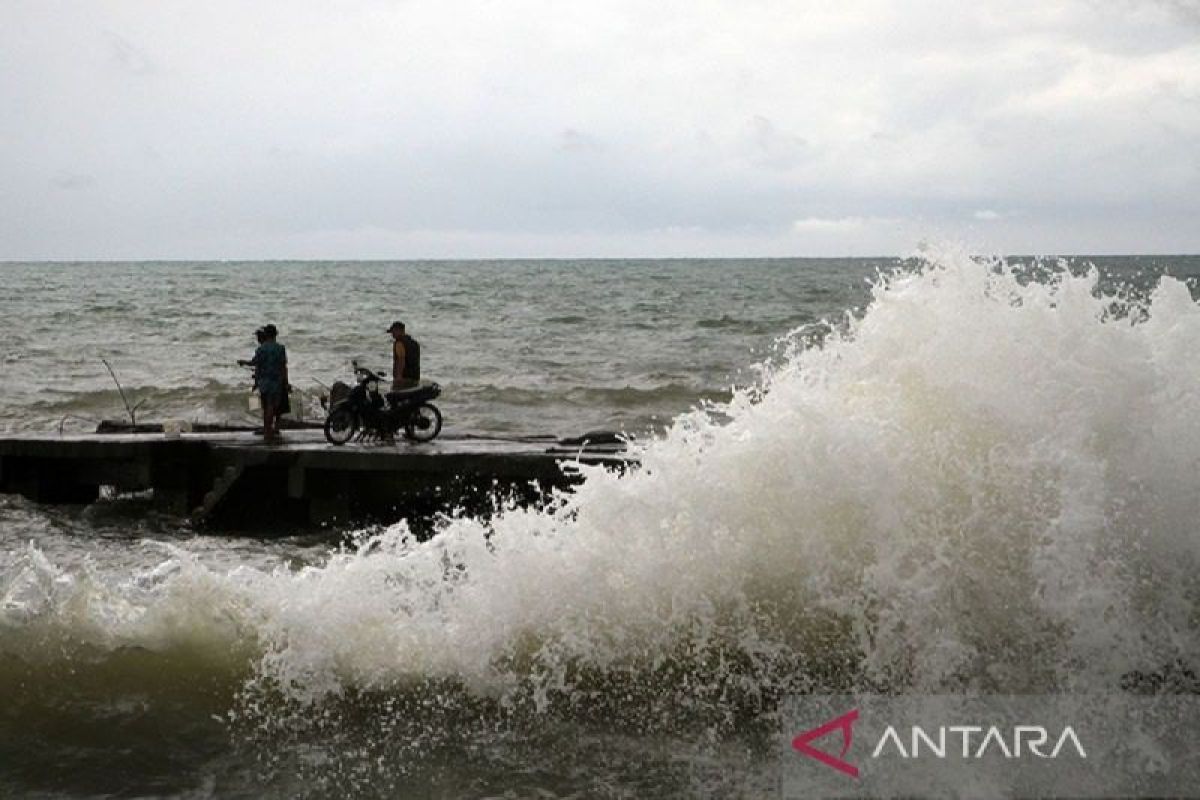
{"x":255,"y":403}
{"x":173,"y":427}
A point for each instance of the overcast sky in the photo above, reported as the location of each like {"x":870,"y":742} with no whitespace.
{"x":387,"y":129}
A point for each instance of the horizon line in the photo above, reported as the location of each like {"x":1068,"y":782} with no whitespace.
{"x":451,"y":259}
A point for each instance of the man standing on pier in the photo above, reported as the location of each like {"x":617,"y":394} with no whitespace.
{"x":271,"y":378}
{"x":406,"y":359}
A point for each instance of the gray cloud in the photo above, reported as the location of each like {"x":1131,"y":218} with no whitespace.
{"x":573,"y":141}
{"x":775,"y":149}
{"x":1188,"y":10}
{"x":607,"y":128}
{"x":126,"y":57}
{"x":72,"y":182}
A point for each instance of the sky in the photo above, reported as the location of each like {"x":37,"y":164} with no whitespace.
{"x":561,"y":129}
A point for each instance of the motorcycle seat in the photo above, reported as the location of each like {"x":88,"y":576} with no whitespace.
{"x":417,"y":394}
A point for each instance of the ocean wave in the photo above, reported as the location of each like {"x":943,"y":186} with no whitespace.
{"x":981,"y":484}
{"x":212,"y":400}
{"x":612,"y":399}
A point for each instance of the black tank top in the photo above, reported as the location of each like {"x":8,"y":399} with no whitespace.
{"x":412,"y":358}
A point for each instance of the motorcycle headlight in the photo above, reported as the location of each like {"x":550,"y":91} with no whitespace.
{"x":373,"y":386}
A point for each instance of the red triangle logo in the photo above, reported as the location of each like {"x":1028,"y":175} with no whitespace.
{"x":845,"y":724}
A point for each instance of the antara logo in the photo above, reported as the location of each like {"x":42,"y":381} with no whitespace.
{"x":844,"y":723}
{"x":974,"y":742}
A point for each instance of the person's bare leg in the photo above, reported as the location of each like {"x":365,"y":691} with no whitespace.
{"x":270,"y":419}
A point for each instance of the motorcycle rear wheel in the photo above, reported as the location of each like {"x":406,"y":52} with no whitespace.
{"x":340,"y":426}
{"x":424,"y":424}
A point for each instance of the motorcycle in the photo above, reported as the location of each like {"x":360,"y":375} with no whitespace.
{"x":363,"y":412}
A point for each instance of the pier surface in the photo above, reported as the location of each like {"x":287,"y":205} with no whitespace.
{"x":236,"y":480}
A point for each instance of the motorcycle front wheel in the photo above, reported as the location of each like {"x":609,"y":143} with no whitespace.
{"x":424,"y":424}
{"x":340,"y":426}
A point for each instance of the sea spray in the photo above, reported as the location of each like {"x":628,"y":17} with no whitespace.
{"x":962,"y":489}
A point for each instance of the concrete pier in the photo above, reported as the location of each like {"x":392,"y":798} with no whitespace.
{"x":235,"y":480}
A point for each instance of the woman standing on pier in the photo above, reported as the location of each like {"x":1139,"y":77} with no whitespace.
{"x":270,"y":378}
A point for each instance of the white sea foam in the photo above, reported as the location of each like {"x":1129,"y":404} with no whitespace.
{"x":983,"y":482}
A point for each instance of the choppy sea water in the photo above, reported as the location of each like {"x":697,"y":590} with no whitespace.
{"x":985,"y":478}
{"x":555,"y":347}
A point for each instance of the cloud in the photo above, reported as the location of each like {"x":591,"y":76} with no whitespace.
{"x":126,"y":57}
{"x":394,"y":130}
{"x":71,"y":182}
{"x":830,"y":225}
{"x":573,"y":141}
{"x":773,"y":148}
{"x":1188,"y":10}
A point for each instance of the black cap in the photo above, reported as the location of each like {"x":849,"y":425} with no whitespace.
{"x":394,"y":325}
{"x":270,"y":330}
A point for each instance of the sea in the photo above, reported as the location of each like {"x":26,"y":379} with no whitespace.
{"x":940,"y":474}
